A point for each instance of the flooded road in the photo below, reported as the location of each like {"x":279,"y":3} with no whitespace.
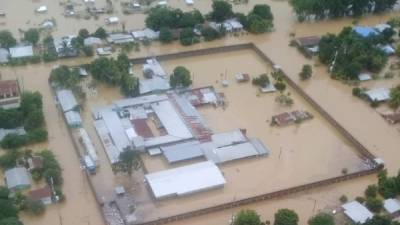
{"x":362,"y":121}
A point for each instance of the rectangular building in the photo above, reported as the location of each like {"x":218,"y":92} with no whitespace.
{"x":10,"y":94}
{"x":185,"y":180}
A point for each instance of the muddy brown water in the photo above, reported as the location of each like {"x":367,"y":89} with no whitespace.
{"x":356,"y":116}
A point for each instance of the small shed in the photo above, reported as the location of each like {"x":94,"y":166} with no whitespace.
{"x":392,"y":207}
{"x":21,"y":52}
{"x":35,"y":162}
{"x":17,"y":179}
{"x":4,"y":55}
{"x":112,"y":20}
{"x":357,"y":212}
{"x":378,"y":94}
{"x":43,"y":194}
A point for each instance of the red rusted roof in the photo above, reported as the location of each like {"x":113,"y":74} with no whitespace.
{"x":9,"y":88}
{"x":38,"y":194}
{"x":141,"y":128}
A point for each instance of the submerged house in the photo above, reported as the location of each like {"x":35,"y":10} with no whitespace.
{"x":10,"y":94}
{"x":19,"y":52}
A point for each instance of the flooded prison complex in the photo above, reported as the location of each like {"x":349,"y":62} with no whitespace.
{"x":208,"y":151}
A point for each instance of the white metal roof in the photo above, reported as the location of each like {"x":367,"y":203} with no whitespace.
{"x":16,"y":177}
{"x":120,"y":38}
{"x":154,"y":84}
{"x":90,"y":41}
{"x":73,"y":118}
{"x":357,"y":212}
{"x":112,"y":19}
{"x":21,"y":51}
{"x":4,"y":54}
{"x":189,"y":2}
{"x":155,"y":67}
{"x":391,"y":205}
{"x":228,"y":138}
{"x":141,"y":100}
{"x":170,"y":119}
{"x":67,"y":100}
{"x":182,"y":151}
{"x":111,"y":151}
{"x":378,"y":94}
{"x":115,"y":129}
{"x":185,"y":180}
{"x":364,"y":77}
{"x":87,"y":143}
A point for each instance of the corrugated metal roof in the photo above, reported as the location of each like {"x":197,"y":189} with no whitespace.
{"x":228,"y":138}
{"x":73,"y":118}
{"x":182,"y":151}
{"x":21,"y":51}
{"x":17,"y":177}
{"x":357,"y":212}
{"x":67,"y":100}
{"x":391,"y":205}
{"x":185,"y":180}
{"x":229,"y":153}
{"x":378,"y":94}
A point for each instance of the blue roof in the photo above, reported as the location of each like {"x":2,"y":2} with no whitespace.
{"x":365,"y":31}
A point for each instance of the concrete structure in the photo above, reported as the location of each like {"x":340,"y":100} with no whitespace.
{"x":378,"y":94}
{"x":43,"y":194}
{"x":67,"y":100}
{"x":357,"y":212}
{"x":21,"y":52}
{"x":185,"y":180}
{"x":17,"y":179}
{"x":10,"y":94}
{"x":4,"y":56}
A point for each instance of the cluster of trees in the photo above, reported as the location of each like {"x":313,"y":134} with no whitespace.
{"x":129,"y":161}
{"x":394,"y":100}
{"x":8,"y":209}
{"x":64,"y":77}
{"x":51,"y":172}
{"x":306,"y":72}
{"x":348,"y":53}
{"x":321,"y":9}
{"x":180,"y":78}
{"x":259,"y":20}
{"x":30,"y":116}
{"x":261,"y":81}
{"x":116,"y":72}
{"x":7,"y":40}
{"x":173,"y":23}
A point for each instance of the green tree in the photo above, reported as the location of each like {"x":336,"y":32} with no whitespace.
{"x":374,"y":204}
{"x":129,"y":160}
{"x":187,"y":37}
{"x":7,"y":209}
{"x":394,"y":100}
{"x":166,"y":35}
{"x":9,"y":160}
{"x":371,"y":191}
{"x":130,"y":85}
{"x":378,"y":220}
{"x":4,"y":192}
{"x":159,"y":17}
{"x":306,"y":72}
{"x":83,"y":33}
{"x":286,"y":217}
{"x":35,"y":207}
{"x":322,"y":219}
{"x":100,"y":33}
{"x":247,"y":217}
{"x":7,"y":40}
{"x":264,"y":11}
{"x":32,"y":35}
{"x":257,"y":24}
{"x":221,"y":10}
{"x":209,"y":34}
{"x":88,"y":51}
{"x":180,"y":78}
{"x":10,"y":221}
{"x":262,"y":80}
{"x":34,"y":119}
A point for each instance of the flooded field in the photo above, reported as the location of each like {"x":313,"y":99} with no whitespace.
{"x":291,"y":147}
{"x":355,"y":115}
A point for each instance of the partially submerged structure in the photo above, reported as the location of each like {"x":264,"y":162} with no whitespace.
{"x":43,"y":194}
{"x":157,"y":80}
{"x":309,"y":43}
{"x":17,"y":179}
{"x":120,"y":38}
{"x":5,"y":132}
{"x":147,"y":33}
{"x":185,"y":180}
{"x":357,"y":212}
{"x":10,"y":94}
{"x":378,"y":94}
{"x":64,"y":47}
{"x":19,"y":52}
{"x":4,"y":56}
{"x":67,"y":100}
{"x":288,"y":118}
{"x":392,"y":207}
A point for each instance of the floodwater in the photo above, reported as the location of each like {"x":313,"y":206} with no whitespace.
{"x":361,"y":120}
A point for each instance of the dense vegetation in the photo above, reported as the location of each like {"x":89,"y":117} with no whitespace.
{"x":30,"y":116}
{"x":261,"y":81}
{"x":286,"y":217}
{"x":321,"y":9}
{"x":247,"y":217}
{"x":116,"y":72}
{"x":306,"y":72}
{"x":7,"y":40}
{"x":394,"y":100}
{"x":129,"y":161}
{"x":348,"y":53}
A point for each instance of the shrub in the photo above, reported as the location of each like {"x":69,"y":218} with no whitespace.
{"x":371,"y":191}
{"x":343,"y":199}
{"x":262,"y":80}
{"x":374,"y":204}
